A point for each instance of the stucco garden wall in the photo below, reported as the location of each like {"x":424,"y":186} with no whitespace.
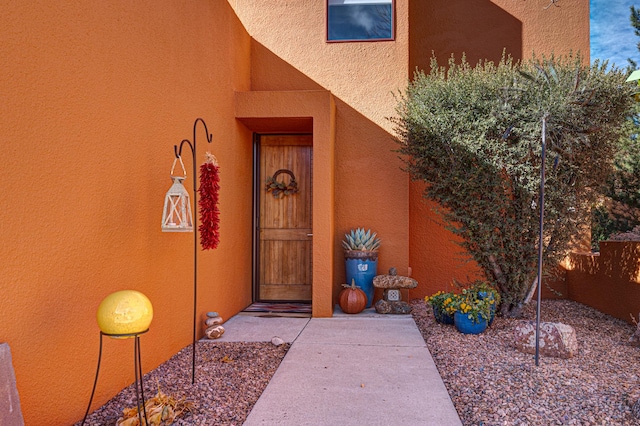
{"x":94,"y":96}
{"x":608,"y":281}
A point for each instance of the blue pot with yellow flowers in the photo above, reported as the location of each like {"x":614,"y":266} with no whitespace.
{"x":473,"y":313}
{"x":444,"y":306}
{"x":489,"y":293}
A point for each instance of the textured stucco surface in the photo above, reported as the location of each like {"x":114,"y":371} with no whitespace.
{"x":484,"y":29}
{"x":290,"y":53}
{"x":94,"y":96}
{"x":319,"y":105}
{"x":608,"y":281}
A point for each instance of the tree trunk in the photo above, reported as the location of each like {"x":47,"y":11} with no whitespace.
{"x":511,"y":310}
{"x":507,"y":310}
{"x":531,"y":291}
{"x":498,"y":274}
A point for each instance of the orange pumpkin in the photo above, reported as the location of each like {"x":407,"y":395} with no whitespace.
{"x":352,"y":299}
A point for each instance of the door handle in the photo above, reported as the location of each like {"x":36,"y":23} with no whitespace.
{"x":309,"y":235}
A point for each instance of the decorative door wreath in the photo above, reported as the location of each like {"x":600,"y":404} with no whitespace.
{"x":280,"y":189}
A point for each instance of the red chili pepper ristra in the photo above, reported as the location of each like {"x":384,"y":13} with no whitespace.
{"x":209,"y":212}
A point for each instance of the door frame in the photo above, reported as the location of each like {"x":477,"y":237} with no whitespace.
{"x":255,"y":225}
{"x":304,"y":111}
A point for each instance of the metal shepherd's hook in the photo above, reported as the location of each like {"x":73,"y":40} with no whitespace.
{"x":178,"y":153}
{"x":541,"y":233}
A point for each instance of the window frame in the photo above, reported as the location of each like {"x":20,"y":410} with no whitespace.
{"x":365,"y":40}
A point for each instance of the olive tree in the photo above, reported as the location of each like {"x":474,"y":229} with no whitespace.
{"x":473,"y":134}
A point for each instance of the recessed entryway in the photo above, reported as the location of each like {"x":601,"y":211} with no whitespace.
{"x":308,"y":112}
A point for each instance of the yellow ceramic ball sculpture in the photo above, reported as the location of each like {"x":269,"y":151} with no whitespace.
{"x":124,"y":312}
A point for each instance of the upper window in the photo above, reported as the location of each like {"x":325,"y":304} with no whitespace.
{"x":356,"y":20}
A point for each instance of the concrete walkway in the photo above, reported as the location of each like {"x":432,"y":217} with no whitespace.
{"x":364,"y":369}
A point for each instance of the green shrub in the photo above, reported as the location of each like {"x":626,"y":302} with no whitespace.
{"x":473,"y":134}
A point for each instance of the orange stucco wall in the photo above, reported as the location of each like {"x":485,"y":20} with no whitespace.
{"x":482,"y":30}
{"x":608,"y":281}
{"x":363,"y":76}
{"x":94,"y":96}
{"x":291,"y":53}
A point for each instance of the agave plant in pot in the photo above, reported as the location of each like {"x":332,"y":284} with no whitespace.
{"x":361,"y":259}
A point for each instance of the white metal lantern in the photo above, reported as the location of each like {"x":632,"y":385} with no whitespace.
{"x":176,"y":215}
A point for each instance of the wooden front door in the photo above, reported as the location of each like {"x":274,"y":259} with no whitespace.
{"x":284,"y":220}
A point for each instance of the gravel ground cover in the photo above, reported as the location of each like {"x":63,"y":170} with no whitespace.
{"x":229,"y":379}
{"x":491,"y":383}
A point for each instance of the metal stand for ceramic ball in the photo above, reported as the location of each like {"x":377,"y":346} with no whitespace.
{"x":137,"y":365}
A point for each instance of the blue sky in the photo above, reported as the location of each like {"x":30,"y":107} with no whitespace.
{"x":612,"y":35}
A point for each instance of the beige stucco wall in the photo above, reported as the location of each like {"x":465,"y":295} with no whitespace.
{"x":362,"y":74}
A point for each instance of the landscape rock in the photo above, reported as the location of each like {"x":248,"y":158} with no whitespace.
{"x":635,"y":409}
{"x":385,"y":307}
{"x":277,"y":341}
{"x":214,"y":332}
{"x":213,"y":321}
{"x":556,"y":339}
{"x":212,"y":314}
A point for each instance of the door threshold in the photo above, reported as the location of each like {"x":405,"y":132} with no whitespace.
{"x":274,"y":314}
{"x":274,"y":309}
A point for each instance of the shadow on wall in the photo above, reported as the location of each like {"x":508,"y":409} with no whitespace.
{"x":269,"y":72}
{"x":617,"y":260}
{"x":480,"y":29}
{"x":370,"y":189}
{"x":609,"y":281}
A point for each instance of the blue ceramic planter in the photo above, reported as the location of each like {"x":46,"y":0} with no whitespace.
{"x":441,"y":316}
{"x":362,"y":266}
{"x":492,"y":315}
{"x":467,"y":326}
